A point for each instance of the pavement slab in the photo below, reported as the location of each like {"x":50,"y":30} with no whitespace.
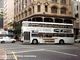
{"x":3,"y":55}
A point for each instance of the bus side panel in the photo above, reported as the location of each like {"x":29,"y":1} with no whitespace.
{"x":69,"y":40}
{"x":66,"y":39}
{"x":40,"y":40}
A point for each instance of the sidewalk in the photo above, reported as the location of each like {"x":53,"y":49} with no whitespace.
{"x":3,"y":55}
{"x":77,"y":45}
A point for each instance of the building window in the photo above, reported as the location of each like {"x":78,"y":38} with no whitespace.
{"x":46,"y":8}
{"x":77,"y":8}
{"x":26,"y":2}
{"x":25,"y":13}
{"x":19,"y":7}
{"x":54,"y":1}
{"x":63,"y":1}
{"x":22,"y":15}
{"x":54,"y":9}
{"x":23,"y":4}
{"x":18,"y":17}
{"x":77,"y":15}
{"x":33,"y":9}
{"x":30,"y":11}
{"x":39,"y":8}
{"x":63,"y":10}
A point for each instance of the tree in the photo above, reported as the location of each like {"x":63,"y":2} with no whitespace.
{"x":1,"y":19}
{"x":1,"y":14}
{"x":17,"y":28}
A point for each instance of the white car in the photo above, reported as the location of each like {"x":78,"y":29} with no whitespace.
{"x":7,"y":39}
{"x":77,"y":41}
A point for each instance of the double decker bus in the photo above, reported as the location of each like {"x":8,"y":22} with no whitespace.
{"x":47,"y":32}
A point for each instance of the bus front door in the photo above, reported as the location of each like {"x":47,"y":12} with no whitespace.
{"x":27,"y":37}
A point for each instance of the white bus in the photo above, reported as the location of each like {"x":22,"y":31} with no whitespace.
{"x":46,"y":32}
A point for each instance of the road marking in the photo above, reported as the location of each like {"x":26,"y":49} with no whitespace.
{"x":29,"y":51}
{"x":18,"y":48}
{"x":5,"y":56}
{"x":30,"y":56}
{"x":15,"y":57}
{"x":62,"y":53}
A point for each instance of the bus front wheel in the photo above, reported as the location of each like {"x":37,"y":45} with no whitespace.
{"x":61,"y":42}
{"x":35,"y":41}
{"x":2,"y":41}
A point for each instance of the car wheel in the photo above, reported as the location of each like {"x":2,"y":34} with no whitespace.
{"x":13,"y":41}
{"x":61,"y":42}
{"x":2,"y":41}
{"x":35,"y":41}
{"x":21,"y":41}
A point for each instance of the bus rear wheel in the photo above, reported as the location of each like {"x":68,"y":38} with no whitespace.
{"x":35,"y":41}
{"x":2,"y":41}
{"x":61,"y":42}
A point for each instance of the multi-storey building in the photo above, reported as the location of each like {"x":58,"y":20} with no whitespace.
{"x":76,"y":14}
{"x":36,"y":8}
{"x":1,"y":14}
{"x":1,"y":17}
{"x":1,"y":3}
{"x":8,"y":13}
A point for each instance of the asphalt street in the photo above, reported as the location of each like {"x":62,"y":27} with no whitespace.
{"x":18,"y":51}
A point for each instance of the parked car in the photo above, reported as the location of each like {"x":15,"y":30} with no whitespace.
{"x":7,"y":39}
{"x":77,"y":41}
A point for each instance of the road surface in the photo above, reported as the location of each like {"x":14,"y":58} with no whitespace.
{"x":17,"y":51}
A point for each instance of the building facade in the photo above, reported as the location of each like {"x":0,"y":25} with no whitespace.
{"x":1,"y":14}
{"x":8,"y":13}
{"x":1,"y":18}
{"x":26,"y":8}
{"x":1,"y":3}
{"x":76,"y":14}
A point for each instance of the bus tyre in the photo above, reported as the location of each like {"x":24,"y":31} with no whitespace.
{"x":13,"y":41}
{"x":35,"y":41}
{"x":61,"y":42}
{"x":2,"y":41}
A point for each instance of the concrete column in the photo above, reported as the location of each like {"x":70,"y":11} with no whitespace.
{"x":59,"y":7}
{"x":49,"y":9}
{"x":42,"y":8}
{"x":35,"y":8}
